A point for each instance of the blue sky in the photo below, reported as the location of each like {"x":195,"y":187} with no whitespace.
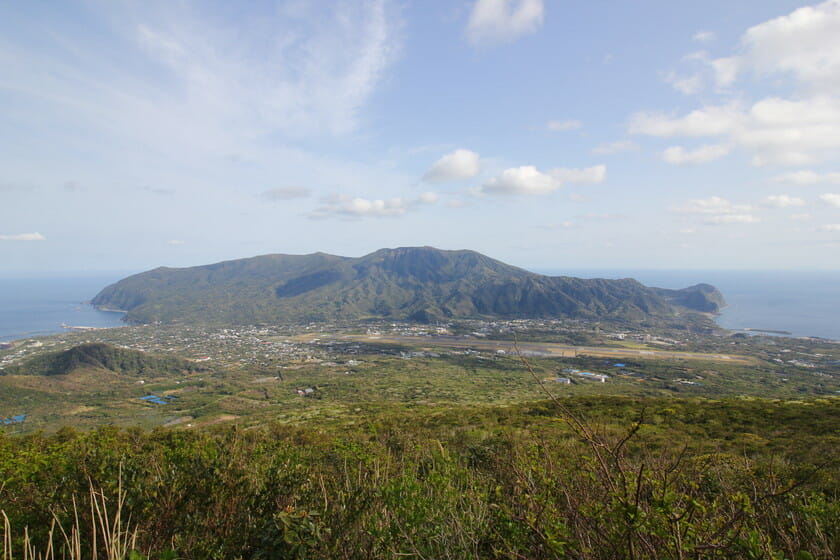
{"x":548,"y":134}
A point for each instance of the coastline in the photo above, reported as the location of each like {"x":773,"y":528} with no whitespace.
{"x":757,"y":303}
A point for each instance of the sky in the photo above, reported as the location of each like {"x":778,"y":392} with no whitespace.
{"x":549,"y":134}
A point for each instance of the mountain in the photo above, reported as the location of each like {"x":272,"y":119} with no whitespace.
{"x":103,"y":357}
{"x":412,"y":283}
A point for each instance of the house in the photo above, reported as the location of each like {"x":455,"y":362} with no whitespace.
{"x":599,"y":377}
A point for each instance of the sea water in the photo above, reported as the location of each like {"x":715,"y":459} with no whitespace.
{"x":804,"y":303}
{"x":39,"y":306}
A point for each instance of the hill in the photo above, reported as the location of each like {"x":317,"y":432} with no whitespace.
{"x":413,"y":283}
{"x":103,"y":357}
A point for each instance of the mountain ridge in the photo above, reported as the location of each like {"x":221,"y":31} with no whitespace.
{"x":405,"y":283}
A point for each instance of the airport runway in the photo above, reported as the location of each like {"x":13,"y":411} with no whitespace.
{"x":547,"y":349}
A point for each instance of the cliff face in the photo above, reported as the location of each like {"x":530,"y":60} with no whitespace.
{"x":417,"y":283}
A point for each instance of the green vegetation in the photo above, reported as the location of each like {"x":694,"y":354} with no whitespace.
{"x":297,"y":444}
{"x":420,"y":284}
{"x":600,"y":478}
{"x":254,"y":376}
{"x":100,"y":356}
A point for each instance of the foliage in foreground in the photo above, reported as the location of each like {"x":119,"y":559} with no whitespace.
{"x":637,"y":479}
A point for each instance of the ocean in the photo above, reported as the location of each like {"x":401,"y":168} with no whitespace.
{"x":804,"y":303}
{"x":39,"y":306}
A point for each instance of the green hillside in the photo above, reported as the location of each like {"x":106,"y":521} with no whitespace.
{"x":99,"y":356}
{"x":421,"y":284}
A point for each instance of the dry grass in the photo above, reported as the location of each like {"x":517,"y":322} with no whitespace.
{"x":109,"y":535}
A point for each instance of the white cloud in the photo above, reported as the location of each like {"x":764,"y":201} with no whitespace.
{"x":501,"y":21}
{"x":528,"y":180}
{"x":559,"y":126}
{"x":804,"y":217}
{"x":830,"y":227}
{"x":718,"y":211}
{"x":588,"y":175}
{"x":460,"y":164}
{"x":362,"y":207}
{"x":203,"y":84}
{"x":783,"y":201}
{"x":831,"y":198}
{"x":175,"y":242}
{"x":791,"y":132}
{"x":475,"y":192}
{"x":802,"y":44}
{"x":725,"y":71}
{"x":694,"y":75}
{"x":286,"y":193}
{"x":23,"y":237}
{"x":677,"y":155}
{"x":522,"y":180}
{"x":428,"y":197}
{"x":688,"y":85}
{"x":709,"y":121}
{"x":774,"y":130}
{"x":616,"y":147}
{"x":807,"y":177}
{"x":798,"y":52}
{"x":712,"y":205}
{"x":731,"y":219}
{"x":358,"y":207}
{"x":704,"y":36}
